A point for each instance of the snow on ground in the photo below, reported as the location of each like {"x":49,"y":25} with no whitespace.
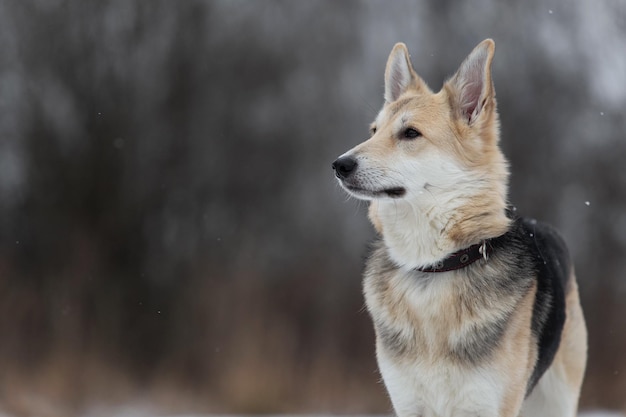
{"x":129,"y":412}
{"x":145,"y":412}
{"x":600,"y":414}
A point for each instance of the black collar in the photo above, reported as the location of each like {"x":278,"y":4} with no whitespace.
{"x":460,"y":259}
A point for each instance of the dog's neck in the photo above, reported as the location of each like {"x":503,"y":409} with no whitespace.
{"x":422,"y":231}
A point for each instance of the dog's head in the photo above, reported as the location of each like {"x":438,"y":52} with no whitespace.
{"x":431,"y":149}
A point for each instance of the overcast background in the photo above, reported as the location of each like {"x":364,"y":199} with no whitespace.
{"x":171,"y":233}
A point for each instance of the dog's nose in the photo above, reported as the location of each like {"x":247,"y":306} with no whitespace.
{"x":344,"y":167}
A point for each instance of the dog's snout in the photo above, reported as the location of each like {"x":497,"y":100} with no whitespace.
{"x":344,"y":166}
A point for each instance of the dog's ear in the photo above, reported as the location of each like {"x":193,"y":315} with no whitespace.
{"x":471,"y":88}
{"x":399,"y":74}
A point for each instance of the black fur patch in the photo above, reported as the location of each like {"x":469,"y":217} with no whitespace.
{"x":550,"y":264}
{"x":395,"y":340}
{"x":479,"y":345}
{"x":553,"y":272}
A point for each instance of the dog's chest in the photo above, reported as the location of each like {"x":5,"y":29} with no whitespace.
{"x":431,"y":341}
{"x":440,"y":390}
{"x":438,"y":321}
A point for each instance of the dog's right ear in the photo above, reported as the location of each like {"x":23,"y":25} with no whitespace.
{"x":399,"y":74}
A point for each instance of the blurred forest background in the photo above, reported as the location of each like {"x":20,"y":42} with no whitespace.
{"x":171,"y":233}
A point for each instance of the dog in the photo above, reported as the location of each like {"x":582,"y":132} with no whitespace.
{"x":476,"y":309}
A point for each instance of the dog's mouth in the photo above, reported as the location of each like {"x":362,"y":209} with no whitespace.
{"x":392,"y":192}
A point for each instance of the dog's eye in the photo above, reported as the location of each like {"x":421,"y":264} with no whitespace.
{"x":411,"y":133}
{"x":372,"y":130}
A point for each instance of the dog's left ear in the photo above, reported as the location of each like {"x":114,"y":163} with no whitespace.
{"x":471,"y":88}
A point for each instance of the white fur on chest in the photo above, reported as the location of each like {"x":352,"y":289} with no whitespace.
{"x":421,"y":389}
{"x":424,"y":383}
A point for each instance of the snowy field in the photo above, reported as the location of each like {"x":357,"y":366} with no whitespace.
{"x":137,"y":413}
{"x":128,"y":412}
{"x":134,"y":411}
{"x":600,"y":414}
{"x":144,"y":412}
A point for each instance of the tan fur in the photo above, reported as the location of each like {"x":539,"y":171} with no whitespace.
{"x":517,"y":349}
{"x":568,"y":367}
{"x":572,"y":356}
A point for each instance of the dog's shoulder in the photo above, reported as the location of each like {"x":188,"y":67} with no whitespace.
{"x":551,"y":261}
